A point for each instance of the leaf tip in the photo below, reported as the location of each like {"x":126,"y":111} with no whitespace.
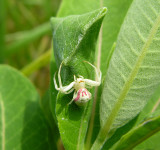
{"x":104,"y":10}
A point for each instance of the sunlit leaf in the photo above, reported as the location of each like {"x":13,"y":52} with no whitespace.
{"x":133,"y":73}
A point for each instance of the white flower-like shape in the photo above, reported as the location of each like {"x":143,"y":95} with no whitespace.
{"x":81,"y":94}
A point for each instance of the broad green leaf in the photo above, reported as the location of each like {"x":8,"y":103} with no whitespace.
{"x":22,"y":124}
{"x":117,"y":10}
{"x":118,"y":134}
{"x":74,"y":40}
{"x":45,"y":104}
{"x":133,"y":73}
{"x":150,"y":108}
{"x":138,"y":134}
{"x":151,"y":143}
{"x":53,"y":91}
{"x":111,"y":25}
{"x":71,"y":7}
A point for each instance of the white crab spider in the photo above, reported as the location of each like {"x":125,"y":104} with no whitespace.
{"x":81,"y":94}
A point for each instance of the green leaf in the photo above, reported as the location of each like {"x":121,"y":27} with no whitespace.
{"x":151,"y":143}
{"x":70,"y":7}
{"x":111,"y":25}
{"x":53,"y":91}
{"x":45,"y":105}
{"x":150,"y":108}
{"x":133,"y":73}
{"x":74,"y":41}
{"x":22,"y":124}
{"x":138,"y":134}
{"x":66,"y":8}
{"x":118,"y":134}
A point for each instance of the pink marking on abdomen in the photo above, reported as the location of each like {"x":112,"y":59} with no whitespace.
{"x":84,"y":92}
{"x":78,"y":95}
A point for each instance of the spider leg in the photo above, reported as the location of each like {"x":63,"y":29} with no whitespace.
{"x":68,"y":88}
{"x":72,"y":99}
{"x":61,"y":88}
{"x":55,"y":83}
{"x":98,"y":77}
{"x":75,"y":78}
{"x":59,"y":75}
{"x":70,"y":91}
{"x":91,"y":82}
{"x":80,"y":76}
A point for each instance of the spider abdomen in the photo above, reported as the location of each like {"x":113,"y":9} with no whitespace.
{"x":82,"y":96}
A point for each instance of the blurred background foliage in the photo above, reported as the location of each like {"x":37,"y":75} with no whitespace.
{"x":25,"y":35}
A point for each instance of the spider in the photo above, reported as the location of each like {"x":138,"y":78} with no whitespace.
{"x":81,"y":94}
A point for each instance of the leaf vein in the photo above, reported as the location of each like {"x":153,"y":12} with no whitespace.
{"x":144,"y":14}
{"x":153,"y":10}
{"x":112,"y":91}
{"x":124,"y":60}
{"x":138,"y":31}
{"x":118,"y":70}
{"x":130,"y":46}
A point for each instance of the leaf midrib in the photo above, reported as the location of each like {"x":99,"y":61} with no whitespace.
{"x":94,"y":20}
{"x":3,"y":122}
{"x":106,"y":128}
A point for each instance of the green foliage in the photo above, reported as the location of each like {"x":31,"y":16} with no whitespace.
{"x":23,"y":125}
{"x":123,"y":112}
{"x":73,"y":49}
{"x":116,"y":12}
{"x":143,"y":131}
{"x":152,"y":143}
{"x":132,"y":76}
{"x":133,"y":72}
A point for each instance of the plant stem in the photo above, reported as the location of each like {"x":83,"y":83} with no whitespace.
{"x":38,"y":63}
{"x":91,"y":124}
